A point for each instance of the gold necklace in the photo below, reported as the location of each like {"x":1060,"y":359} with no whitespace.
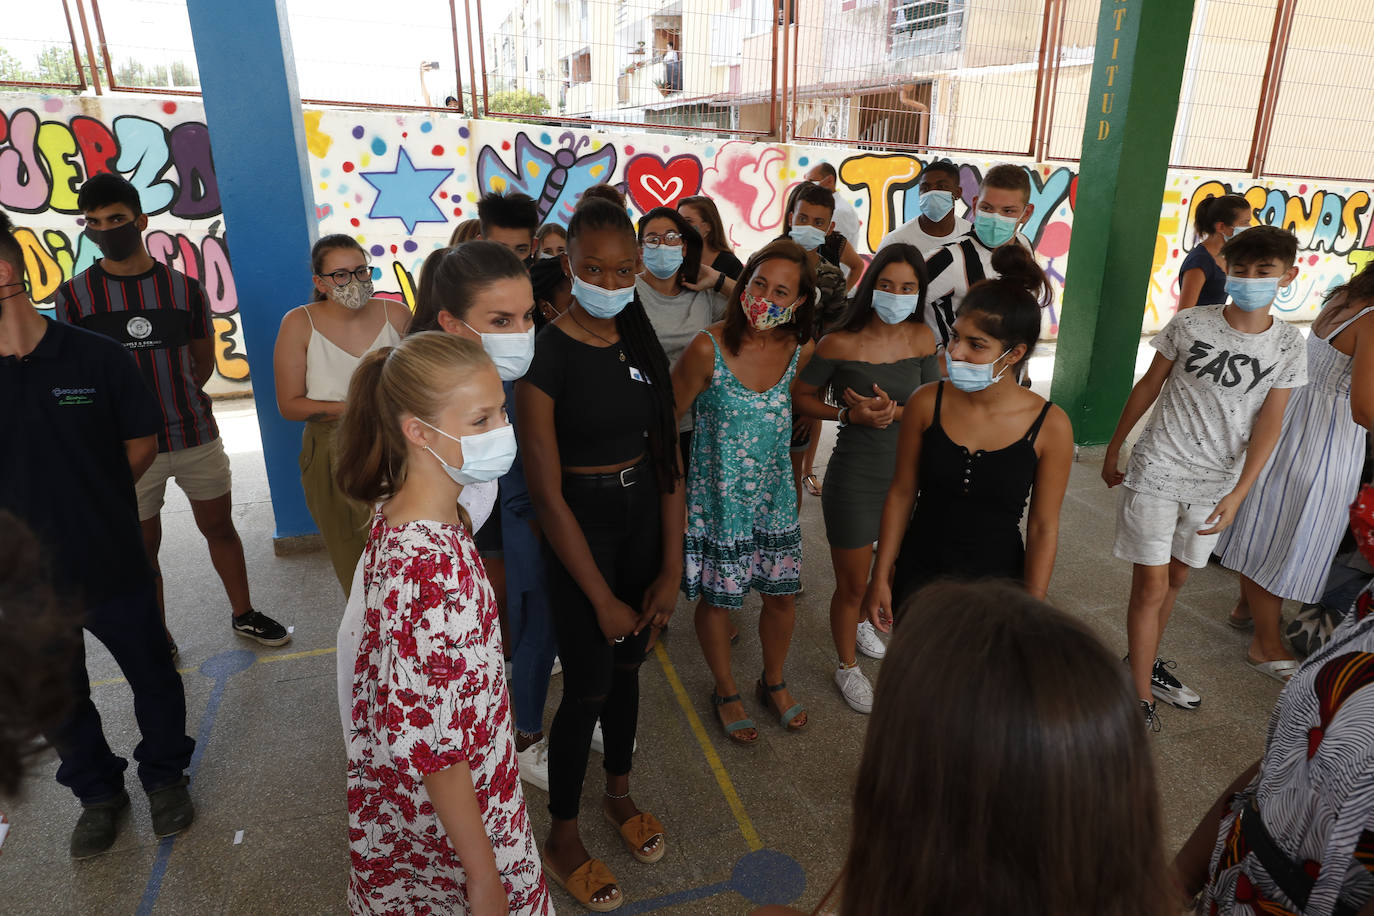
{"x":611,"y":343}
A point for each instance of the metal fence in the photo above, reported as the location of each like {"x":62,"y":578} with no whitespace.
{"x":1271,"y":87}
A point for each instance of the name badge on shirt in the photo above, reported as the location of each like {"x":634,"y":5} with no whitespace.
{"x":638,"y":376}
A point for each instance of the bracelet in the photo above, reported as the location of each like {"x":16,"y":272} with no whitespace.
{"x":720,"y":281}
{"x":842,"y":418}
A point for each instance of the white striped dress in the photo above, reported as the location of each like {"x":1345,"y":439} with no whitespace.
{"x":1291,"y":524}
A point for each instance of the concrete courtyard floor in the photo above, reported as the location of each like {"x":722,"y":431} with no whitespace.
{"x":767,"y":823}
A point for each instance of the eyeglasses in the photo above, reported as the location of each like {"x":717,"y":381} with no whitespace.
{"x":345,"y":277}
{"x":671,"y":239}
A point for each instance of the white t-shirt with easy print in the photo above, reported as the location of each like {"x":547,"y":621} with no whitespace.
{"x":1194,"y":444}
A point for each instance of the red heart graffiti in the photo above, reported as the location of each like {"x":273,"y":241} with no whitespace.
{"x":322,"y":211}
{"x":655,"y":183}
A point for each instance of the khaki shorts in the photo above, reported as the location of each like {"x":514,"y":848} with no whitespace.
{"x":202,"y":472}
{"x":1151,"y":529}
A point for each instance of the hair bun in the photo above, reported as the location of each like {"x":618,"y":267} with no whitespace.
{"x":6,"y":224}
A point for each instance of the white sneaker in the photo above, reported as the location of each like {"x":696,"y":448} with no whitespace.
{"x":534,"y":763}
{"x":557,"y":666}
{"x":599,"y":743}
{"x":868,"y":642}
{"x":855,"y":688}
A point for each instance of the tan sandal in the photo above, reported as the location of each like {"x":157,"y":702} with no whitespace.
{"x":638,"y":832}
{"x":587,"y":880}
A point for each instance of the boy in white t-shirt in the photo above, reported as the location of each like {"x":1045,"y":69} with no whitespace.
{"x":936,"y":225}
{"x":1222,"y":378}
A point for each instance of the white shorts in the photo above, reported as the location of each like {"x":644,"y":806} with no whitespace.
{"x":202,"y":472}
{"x":1151,"y":529}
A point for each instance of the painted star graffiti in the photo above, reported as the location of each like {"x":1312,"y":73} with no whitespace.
{"x":407,"y":193}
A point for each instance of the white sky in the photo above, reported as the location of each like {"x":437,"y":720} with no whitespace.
{"x":354,"y":50}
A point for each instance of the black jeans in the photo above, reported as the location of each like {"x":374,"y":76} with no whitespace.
{"x":131,"y":628}
{"x":600,"y":680}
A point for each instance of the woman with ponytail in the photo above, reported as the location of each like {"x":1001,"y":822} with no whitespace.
{"x":437,"y":819}
{"x":318,"y":347}
{"x":599,"y":436}
{"x":1202,"y":275}
{"x":742,"y":526}
{"x":975,"y":447}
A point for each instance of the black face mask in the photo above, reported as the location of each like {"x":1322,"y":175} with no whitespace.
{"x":119,"y":243}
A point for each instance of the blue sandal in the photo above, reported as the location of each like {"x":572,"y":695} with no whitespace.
{"x":787,"y":718}
{"x":733,"y":729}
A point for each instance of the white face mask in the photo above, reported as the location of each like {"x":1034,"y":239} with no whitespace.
{"x":486,"y":456}
{"x":511,"y":352}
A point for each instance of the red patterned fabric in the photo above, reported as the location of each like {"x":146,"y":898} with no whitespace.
{"x":429,"y":692}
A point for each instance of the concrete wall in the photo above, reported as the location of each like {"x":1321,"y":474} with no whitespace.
{"x":400,"y":182}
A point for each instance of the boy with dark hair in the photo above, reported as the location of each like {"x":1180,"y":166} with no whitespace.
{"x":509,"y":219}
{"x":810,"y":222}
{"x":81,"y":426}
{"x":1001,"y":208}
{"x":846,"y":218}
{"x":162,"y":317}
{"x":940,"y":193}
{"x":1222,"y":378}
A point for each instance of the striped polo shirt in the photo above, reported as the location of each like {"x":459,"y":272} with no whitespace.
{"x":953,"y":268}
{"x":155,"y":315}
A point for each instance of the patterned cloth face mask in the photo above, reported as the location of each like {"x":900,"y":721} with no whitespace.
{"x":763,"y":314}
{"x":353,"y":296}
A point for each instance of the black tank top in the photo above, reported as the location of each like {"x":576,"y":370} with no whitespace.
{"x":968,"y":509}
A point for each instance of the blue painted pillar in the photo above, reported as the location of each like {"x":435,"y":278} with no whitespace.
{"x":253,"y":111}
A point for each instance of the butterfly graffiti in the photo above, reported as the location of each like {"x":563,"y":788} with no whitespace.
{"x":555,"y":179}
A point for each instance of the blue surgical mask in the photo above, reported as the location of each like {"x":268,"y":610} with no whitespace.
{"x":601,"y":303}
{"x":511,"y":352}
{"x":486,"y":456}
{"x":894,"y":308}
{"x":663,"y":261}
{"x":993,"y":229}
{"x":936,"y":205}
{"x":972,"y":377}
{"x":809,"y":237}
{"x":1252,"y":294}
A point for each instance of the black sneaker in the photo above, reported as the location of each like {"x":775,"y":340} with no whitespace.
{"x":1168,"y":688}
{"x":172,"y":647}
{"x":1151,"y":718}
{"x":262,"y":628}
{"x":98,"y":826}
{"x":171,"y":808}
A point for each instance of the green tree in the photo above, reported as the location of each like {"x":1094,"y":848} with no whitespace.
{"x":184,"y":74}
{"x":12,"y":68}
{"x":518,"y":102}
{"x":55,"y":65}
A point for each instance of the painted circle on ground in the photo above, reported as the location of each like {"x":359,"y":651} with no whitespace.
{"x":768,"y":876}
{"x":227,"y":663}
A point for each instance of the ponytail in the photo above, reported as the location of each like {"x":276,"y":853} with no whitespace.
{"x":1009,"y":307}
{"x":1213,"y":210}
{"x":413,"y":378}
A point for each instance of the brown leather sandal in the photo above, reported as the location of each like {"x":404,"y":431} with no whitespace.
{"x":586,"y":880}
{"x":638,"y":832}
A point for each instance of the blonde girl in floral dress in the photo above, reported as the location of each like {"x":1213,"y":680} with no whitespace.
{"x":436,"y":815}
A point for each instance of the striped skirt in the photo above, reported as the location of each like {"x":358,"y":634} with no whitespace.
{"x":1292,"y":522}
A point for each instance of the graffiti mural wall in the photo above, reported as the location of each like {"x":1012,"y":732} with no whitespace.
{"x":401,"y":183}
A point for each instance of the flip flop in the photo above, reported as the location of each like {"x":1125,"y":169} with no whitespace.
{"x":637,"y":832}
{"x":1279,"y":669}
{"x":812,"y":485}
{"x":1238,"y":623}
{"x":587,"y":879}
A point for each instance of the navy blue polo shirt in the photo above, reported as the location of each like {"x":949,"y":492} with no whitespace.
{"x":67,"y":409}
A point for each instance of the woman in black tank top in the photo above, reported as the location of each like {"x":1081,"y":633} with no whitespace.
{"x":979,"y":447}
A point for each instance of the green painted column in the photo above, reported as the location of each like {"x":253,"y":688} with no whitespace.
{"x":1129,"y":128}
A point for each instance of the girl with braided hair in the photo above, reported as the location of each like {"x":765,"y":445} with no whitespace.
{"x":599,"y":438}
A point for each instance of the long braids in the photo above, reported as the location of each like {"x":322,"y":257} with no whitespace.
{"x":641,"y":344}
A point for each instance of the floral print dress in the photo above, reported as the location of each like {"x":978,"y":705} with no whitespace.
{"x":429,"y":692}
{"x":742,"y":529}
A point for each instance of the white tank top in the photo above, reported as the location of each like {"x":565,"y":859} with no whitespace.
{"x":328,"y":366}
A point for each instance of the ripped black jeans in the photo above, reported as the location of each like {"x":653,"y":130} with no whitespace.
{"x":600,"y":681}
